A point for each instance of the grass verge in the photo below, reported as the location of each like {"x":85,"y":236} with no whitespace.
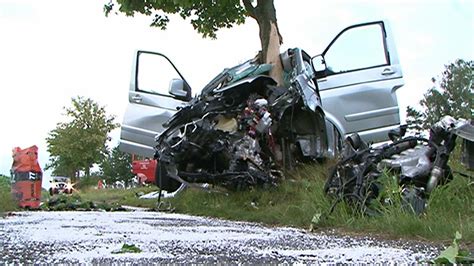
{"x":118,"y":196}
{"x":296,"y":201}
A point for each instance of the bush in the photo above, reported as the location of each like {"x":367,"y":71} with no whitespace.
{"x":6,"y":201}
{"x":86,"y":182}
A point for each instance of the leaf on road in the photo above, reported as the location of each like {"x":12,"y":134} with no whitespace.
{"x":126,"y":248}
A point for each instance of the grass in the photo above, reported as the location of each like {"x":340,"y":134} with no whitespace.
{"x":450,"y":209}
{"x":6,"y":201}
{"x":298,"y":199}
{"x":291,"y":203}
{"x":118,"y":196}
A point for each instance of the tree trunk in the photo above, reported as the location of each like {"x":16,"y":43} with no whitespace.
{"x":265,"y":15}
{"x":73,"y":176}
{"x":88,"y":171}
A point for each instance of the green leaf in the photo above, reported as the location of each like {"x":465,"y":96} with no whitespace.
{"x":457,"y":237}
{"x":126,"y":248}
{"x":453,"y":254}
{"x":448,"y":254}
{"x":440,"y":260}
{"x":315,"y":221}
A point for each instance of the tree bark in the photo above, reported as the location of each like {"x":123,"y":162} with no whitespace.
{"x":270,"y":38}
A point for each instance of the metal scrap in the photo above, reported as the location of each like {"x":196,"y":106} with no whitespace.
{"x":419,"y":165}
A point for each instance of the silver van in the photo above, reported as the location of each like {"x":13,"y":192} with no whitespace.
{"x":359,"y":75}
{"x":355,"y":77}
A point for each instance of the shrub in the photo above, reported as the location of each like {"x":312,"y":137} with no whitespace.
{"x":6,"y":201}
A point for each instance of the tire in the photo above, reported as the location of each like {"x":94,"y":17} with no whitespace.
{"x":163,"y":180}
{"x":51,"y":193}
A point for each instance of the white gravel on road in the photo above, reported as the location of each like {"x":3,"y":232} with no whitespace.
{"x":91,"y":237}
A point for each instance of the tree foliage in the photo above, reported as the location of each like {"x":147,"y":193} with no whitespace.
{"x":414,"y":119}
{"x":451,"y":95}
{"x":208,"y":16}
{"x":80,"y":142}
{"x":117,"y":166}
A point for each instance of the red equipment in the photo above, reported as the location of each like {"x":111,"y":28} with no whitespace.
{"x":144,"y":170}
{"x":27,"y":175}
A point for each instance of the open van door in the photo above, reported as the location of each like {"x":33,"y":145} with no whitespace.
{"x":357,"y":76}
{"x":156,"y":90}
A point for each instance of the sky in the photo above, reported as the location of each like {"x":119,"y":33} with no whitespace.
{"x":53,"y":50}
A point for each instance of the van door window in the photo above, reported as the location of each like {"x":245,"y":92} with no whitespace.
{"x":154,"y":73}
{"x":357,"y":48}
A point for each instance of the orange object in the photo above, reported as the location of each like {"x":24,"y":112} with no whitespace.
{"x":27,"y":193}
{"x":27,"y":177}
{"x":25,"y":160}
{"x":100,"y":184}
{"x":144,"y":170}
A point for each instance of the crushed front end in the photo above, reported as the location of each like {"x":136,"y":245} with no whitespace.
{"x":243,"y":130}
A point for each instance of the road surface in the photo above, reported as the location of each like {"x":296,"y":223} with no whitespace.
{"x":95,"y":237}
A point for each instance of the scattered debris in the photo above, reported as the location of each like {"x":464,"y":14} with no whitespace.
{"x":242,"y":130}
{"x":165,"y":238}
{"x":134,"y":209}
{"x":164,"y":194}
{"x":419,"y":165}
{"x":63,"y":202}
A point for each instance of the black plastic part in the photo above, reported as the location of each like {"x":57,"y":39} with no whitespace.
{"x":355,"y":141}
{"x":163,"y":180}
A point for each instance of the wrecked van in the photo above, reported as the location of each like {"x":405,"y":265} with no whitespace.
{"x":243,"y":129}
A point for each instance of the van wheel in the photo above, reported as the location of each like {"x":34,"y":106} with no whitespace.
{"x":51,"y":193}
{"x":164,"y":180}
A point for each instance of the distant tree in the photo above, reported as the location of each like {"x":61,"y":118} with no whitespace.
{"x":4,"y":178}
{"x":452,"y":94}
{"x":208,"y":16}
{"x":414,"y":119}
{"x":117,"y":166}
{"x":80,"y":142}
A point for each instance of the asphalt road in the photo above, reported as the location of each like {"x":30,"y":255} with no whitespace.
{"x":95,"y":237}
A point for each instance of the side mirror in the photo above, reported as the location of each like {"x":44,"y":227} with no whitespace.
{"x":318,"y":63}
{"x":179,"y":89}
